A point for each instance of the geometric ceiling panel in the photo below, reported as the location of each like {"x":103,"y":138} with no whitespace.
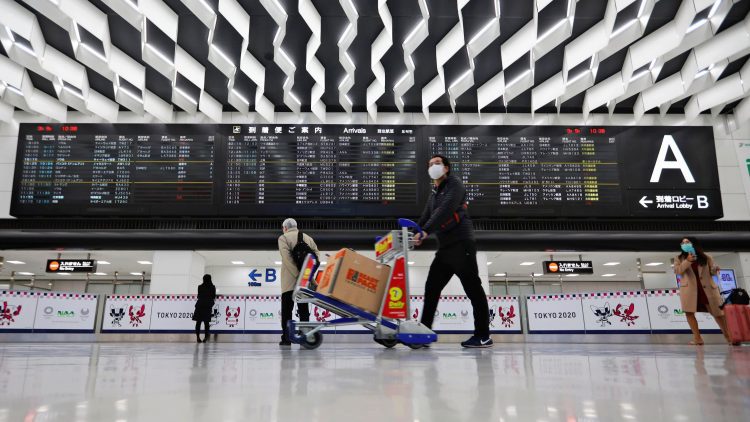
{"x":155,"y":57}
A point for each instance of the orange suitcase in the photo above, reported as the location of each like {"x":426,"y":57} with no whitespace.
{"x":738,"y":323}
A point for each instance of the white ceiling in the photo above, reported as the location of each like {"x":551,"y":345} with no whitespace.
{"x":125,"y":262}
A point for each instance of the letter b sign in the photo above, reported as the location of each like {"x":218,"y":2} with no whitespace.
{"x":270,"y":275}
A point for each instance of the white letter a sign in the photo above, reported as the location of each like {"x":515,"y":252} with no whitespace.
{"x":668,"y":143}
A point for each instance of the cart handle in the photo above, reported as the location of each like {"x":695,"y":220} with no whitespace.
{"x":405,"y":222}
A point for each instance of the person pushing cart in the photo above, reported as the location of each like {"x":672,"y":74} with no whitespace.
{"x":446,"y":215}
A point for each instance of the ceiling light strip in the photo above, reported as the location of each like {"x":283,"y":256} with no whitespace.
{"x":313,"y":66}
{"x":346,"y":40}
{"x":415,"y":38}
{"x":285,"y":63}
{"x":446,"y":48}
{"x":382,"y":44}
{"x":478,"y":43}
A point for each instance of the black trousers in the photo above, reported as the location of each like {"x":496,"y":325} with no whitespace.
{"x":287,"y":306}
{"x":457,"y":259}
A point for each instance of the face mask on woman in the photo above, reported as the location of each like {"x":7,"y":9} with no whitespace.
{"x":688,"y":248}
{"x":436,"y":171}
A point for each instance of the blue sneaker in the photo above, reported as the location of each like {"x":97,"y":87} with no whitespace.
{"x":476,"y":342}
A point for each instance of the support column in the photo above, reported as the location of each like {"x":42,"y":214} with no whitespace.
{"x":743,"y":272}
{"x":177,"y":272}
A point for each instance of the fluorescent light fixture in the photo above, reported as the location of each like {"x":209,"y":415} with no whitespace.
{"x":72,"y":91}
{"x":223,"y":55}
{"x":145,"y":262}
{"x":500,"y":275}
{"x":623,"y":28}
{"x":91,"y":49}
{"x":410,"y":262}
{"x":160,"y":54}
{"x":238,"y":262}
{"x":489,"y":262}
{"x":102,"y":262}
{"x":16,"y":262}
{"x":135,"y":97}
{"x":553,"y":29}
{"x":25,"y":273}
{"x":611,"y":264}
{"x":527,"y":263}
{"x":577,"y":77}
{"x":484,"y":29}
{"x":608,"y":275}
{"x":324,"y":263}
{"x":519,"y":78}
{"x":242,"y":98}
{"x":276,"y":262}
{"x":460,"y":78}
{"x":97,"y":273}
{"x":696,"y":25}
{"x":136,"y":274}
{"x":63,"y":274}
{"x":537,"y":274}
{"x":185,"y":94}
{"x":572,"y":275}
{"x":654,"y":264}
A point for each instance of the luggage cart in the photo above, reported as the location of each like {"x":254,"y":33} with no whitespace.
{"x":392,"y":324}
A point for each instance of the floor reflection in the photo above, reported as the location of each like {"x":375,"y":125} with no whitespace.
{"x":344,"y":382}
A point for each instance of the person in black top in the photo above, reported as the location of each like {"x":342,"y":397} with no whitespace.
{"x":204,"y":307}
{"x":445,"y":214}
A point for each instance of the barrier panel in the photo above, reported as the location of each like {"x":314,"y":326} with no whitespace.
{"x":616,"y":312}
{"x":44,"y":312}
{"x":554,"y":314}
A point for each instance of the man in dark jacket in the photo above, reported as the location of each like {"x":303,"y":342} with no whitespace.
{"x":446,"y":215}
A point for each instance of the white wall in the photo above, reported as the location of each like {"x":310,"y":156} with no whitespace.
{"x":734,"y":194}
{"x":234,"y":279}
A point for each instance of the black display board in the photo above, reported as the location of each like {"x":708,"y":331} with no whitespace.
{"x":361,"y":171}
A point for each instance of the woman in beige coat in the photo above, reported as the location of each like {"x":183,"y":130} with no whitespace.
{"x":698,"y":291}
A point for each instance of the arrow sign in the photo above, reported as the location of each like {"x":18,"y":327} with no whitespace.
{"x":255,"y":274}
{"x":644,"y":202}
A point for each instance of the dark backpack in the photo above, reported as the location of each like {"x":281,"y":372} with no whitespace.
{"x":300,"y":251}
{"x":737,"y":297}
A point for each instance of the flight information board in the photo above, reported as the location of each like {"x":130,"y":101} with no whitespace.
{"x":532,"y":170}
{"x":362,"y":170}
{"x":323,"y":169}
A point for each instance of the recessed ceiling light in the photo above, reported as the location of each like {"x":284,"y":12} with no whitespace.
{"x":500,"y":275}
{"x":489,"y":262}
{"x":527,"y":263}
{"x":145,"y":262}
{"x":276,"y":262}
{"x":100,"y":273}
{"x":102,"y":262}
{"x":25,"y":273}
{"x":608,"y":275}
{"x":654,"y":264}
{"x":572,"y":275}
{"x":238,"y":262}
{"x":16,"y":262}
{"x":611,"y":264}
{"x":136,"y":274}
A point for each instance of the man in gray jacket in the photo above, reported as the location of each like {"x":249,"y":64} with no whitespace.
{"x":289,"y":274}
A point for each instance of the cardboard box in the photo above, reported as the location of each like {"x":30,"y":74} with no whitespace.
{"x":355,"y":279}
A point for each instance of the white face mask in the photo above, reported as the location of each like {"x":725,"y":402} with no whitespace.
{"x":436,"y":171}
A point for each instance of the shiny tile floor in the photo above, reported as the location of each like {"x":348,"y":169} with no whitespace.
{"x":361,"y":382}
